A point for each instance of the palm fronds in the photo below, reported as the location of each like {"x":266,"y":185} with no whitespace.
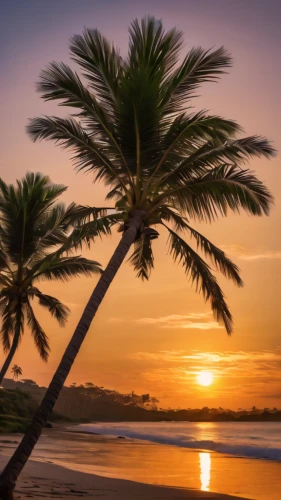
{"x":101,"y":64}
{"x":132,"y":129}
{"x":54,"y":306}
{"x":65,"y":268}
{"x":36,"y":235}
{"x":142,"y":257}
{"x":216,"y":255}
{"x":40,"y":338}
{"x":200,"y":274}
{"x":199,"y":66}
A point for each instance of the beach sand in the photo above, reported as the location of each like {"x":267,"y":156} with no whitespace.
{"x":52,"y":481}
{"x":74,"y":465}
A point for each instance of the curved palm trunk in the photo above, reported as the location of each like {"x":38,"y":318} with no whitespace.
{"x":11,"y":353}
{"x":18,"y":460}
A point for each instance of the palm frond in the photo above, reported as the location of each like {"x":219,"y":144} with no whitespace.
{"x":236,"y":151}
{"x":64,"y":268}
{"x":231,"y":187}
{"x":199,"y":66}
{"x":87,"y":232}
{"x":12,"y":324}
{"x":200,"y":274}
{"x":3,"y":303}
{"x":8,"y":329}
{"x":83,"y":214}
{"x":114,"y":193}
{"x":184,"y":137}
{"x":64,"y":225}
{"x":152,"y":49}
{"x":58,"y":81}
{"x":54,"y":306}
{"x":197,"y":128}
{"x":88,"y":154}
{"x":6,"y":279}
{"x":4,"y":265}
{"x":142,"y":258}
{"x":215,"y":153}
{"x":40,"y":338}
{"x":222,"y":188}
{"x":23,"y":210}
{"x":101,"y":63}
{"x":217,"y":256}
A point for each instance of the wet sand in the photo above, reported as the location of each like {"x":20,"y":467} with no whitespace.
{"x":52,"y":481}
{"x":74,"y":465}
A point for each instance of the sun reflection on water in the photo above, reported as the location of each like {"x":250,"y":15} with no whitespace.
{"x":205,"y":470}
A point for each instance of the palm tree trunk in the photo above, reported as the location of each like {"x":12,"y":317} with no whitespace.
{"x":15,"y":465}
{"x":11,"y":353}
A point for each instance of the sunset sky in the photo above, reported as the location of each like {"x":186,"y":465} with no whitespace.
{"x":155,"y":337}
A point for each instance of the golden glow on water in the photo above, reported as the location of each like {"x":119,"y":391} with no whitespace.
{"x":205,"y":470}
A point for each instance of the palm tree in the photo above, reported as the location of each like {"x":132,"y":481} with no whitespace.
{"x":16,"y":371}
{"x":131,"y":127}
{"x":34,"y":230}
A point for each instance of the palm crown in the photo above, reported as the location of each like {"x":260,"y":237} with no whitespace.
{"x":34,"y":231}
{"x":16,"y":371}
{"x":132,"y":127}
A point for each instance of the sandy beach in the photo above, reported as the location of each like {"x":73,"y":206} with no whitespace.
{"x":52,"y":481}
{"x":74,"y":465}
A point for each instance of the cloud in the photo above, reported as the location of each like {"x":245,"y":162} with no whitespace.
{"x":264,"y":360}
{"x":275,"y":395}
{"x":244,"y":253}
{"x":254,"y":373}
{"x":72,"y":304}
{"x":121,"y":319}
{"x":199,"y":321}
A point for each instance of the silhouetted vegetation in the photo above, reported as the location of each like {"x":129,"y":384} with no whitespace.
{"x":89,"y":402}
{"x":17,"y":407}
{"x":16,"y":410}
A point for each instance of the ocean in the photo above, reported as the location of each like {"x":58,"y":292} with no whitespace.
{"x":260,"y":440}
{"x":241,"y":459}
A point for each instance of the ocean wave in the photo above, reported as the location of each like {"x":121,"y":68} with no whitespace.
{"x":186,"y":441}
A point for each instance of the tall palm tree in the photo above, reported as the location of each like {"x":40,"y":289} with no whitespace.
{"x":34,"y":230}
{"x":16,"y":371}
{"x":132,"y":128}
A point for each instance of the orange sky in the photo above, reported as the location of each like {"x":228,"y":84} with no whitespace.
{"x":154,"y":337}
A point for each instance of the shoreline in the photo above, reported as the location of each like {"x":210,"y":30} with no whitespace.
{"x":69,"y":463}
{"x":43,"y":480}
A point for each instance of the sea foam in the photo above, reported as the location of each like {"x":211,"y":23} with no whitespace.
{"x":260,"y":441}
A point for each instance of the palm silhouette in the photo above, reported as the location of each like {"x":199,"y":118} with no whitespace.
{"x":16,"y":371}
{"x":34,"y":230}
{"x":131,"y":129}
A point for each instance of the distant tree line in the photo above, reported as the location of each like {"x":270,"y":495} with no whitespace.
{"x":89,"y":402}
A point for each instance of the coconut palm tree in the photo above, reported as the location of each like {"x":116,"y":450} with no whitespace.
{"x":16,"y":371}
{"x":34,"y":230}
{"x":131,"y":127}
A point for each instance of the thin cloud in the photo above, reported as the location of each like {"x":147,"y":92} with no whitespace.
{"x":121,"y":319}
{"x":263,"y":359}
{"x":244,"y":377}
{"x":244,"y":253}
{"x":199,"y":321}
{"x":253,"y":368}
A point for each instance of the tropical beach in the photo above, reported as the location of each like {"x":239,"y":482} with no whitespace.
{"x":67,"y":463}
{"x":140,"y":248}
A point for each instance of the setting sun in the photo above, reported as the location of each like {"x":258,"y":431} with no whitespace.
{"x":205,"y":378}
